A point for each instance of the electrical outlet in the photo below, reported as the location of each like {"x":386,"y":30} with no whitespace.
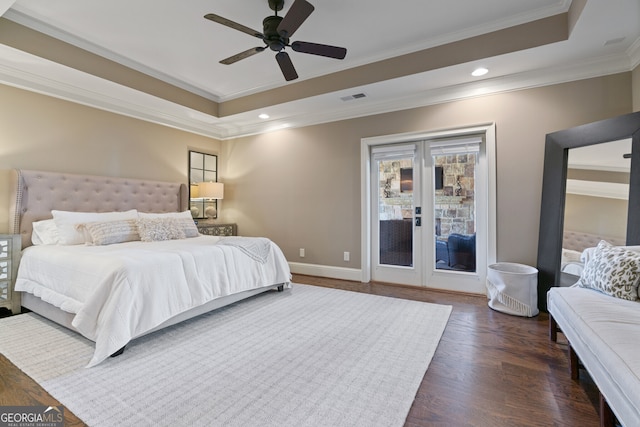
{"x":301,"y":252}
{"x":347,"y":256}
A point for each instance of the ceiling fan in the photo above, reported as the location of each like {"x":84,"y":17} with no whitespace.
{"x":276,"y":33}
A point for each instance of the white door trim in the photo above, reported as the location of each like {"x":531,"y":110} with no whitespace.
{"x":488,"y":129}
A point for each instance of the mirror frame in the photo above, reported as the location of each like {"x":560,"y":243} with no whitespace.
{"x":202,"y":215}
{"x":554,"y":184}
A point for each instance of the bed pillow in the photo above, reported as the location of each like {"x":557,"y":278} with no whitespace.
{"x":612,"y":270}
{"x":184,"y":214}
{"x":110,"y":232}
{"x":156,"y":229}
{"x":45,"y":232}
{"x":569,"y":255}
{"x":184,"y":219}
{"x":66,"y":223}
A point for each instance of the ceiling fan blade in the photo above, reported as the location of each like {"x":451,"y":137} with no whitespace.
{"x":242,"y":55}
{"x":229,"y":23}
{"x":286,"y":66}
{"x":297,"y":14}
{"x":320,"y":49}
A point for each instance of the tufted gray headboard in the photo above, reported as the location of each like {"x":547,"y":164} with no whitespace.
{"x":578,"y":241}
{"x":34,"y":194}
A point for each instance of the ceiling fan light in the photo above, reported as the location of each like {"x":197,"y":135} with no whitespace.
{"x":277,"y":30}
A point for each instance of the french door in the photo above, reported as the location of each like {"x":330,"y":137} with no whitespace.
{"x":396,"y":215}
{"x":430,"y":217}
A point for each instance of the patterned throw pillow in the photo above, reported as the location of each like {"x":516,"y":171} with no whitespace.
{"x":613,"y":270}
{"x":184,"y":219}
{"x":155,"y":229}
{"x":188,"y":226}
{"x":67,"y":223}
{"x":109,"y":232}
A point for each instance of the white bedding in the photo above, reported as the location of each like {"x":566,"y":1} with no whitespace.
{"x":118,"y":292}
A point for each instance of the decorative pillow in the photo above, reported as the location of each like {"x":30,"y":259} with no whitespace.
{"x":188,"y":227}
{"x":612,"y":270}
{"x":184,"y":218}
{"x":109,"y":232}
{"x":66,"y":223}
{"x":587,"y":254}
{"x":155,"y":229}
{"x":45,"y":232}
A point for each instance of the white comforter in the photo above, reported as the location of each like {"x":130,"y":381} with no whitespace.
{"x":118,"y":292}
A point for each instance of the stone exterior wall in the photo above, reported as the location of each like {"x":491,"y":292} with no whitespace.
{"x":394,"y":203}
{"x":455,"y":202}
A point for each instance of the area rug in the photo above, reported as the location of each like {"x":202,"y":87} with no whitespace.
{"x":309,"y":356}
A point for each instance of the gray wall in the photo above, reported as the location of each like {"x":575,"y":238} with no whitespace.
{"x":45,"y":133}
{"x":301,"y":187}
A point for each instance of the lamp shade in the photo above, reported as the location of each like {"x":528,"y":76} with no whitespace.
{"x":211,"y":190}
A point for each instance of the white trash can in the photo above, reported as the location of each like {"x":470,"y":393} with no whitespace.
{"x":513,"y":288}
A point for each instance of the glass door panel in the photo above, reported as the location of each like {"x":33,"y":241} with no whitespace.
{"x":454,"y":207}
{"x":395,"y":212}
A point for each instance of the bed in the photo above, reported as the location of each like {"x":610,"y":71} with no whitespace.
{"x":113,"y":291}
{"x":575,"y":252}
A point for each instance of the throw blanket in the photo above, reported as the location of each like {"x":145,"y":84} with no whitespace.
{"x":256,"y":248}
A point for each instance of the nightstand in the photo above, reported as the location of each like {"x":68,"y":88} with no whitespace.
{"x":218,"y":229}
{"x":10,"y":246}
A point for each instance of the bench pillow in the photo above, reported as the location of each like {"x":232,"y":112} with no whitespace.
{"x":612,"y":270}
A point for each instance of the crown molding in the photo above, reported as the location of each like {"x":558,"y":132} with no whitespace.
{"x":634,"y":53}
{"x":538,"y":78}
{"x":561,"y":6}
{"x":5,"y":5}
{"x":49,"y":30}
{"x":101,"y":99}
{"x":109,"y":96}
{"x":609,"y":190}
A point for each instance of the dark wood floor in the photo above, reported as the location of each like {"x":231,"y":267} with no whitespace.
{"x":490,"y":369}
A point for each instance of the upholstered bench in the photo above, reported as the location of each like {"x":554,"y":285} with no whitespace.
{"x":604,"y":334}
{"x":600,"y":317}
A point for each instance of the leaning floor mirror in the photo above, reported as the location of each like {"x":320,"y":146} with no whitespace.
{"x":620,"y":130}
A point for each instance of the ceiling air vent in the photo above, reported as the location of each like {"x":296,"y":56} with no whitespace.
{"x":614,"y":41}
{"x":352,"y":97}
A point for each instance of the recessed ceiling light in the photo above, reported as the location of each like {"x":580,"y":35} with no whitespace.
{"x":263,"y":116}
{"x":479,"y":72}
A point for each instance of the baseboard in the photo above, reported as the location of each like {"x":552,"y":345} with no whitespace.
{"x":332,"y":272}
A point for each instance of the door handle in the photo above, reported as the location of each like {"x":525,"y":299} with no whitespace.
{"x":418,"y":222}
